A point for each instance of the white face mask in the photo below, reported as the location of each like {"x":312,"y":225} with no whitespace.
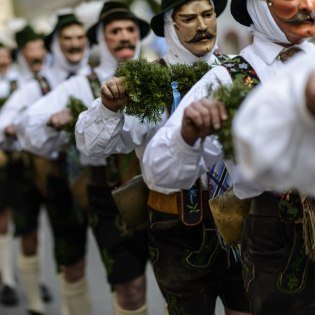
{"x":264,"y":26}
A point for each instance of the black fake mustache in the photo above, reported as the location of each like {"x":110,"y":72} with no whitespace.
{"x":124,"y":45}
{"x":74,"y":50}
{"x":200,"y":36}
{"x":36,"y":61}
{"x":301,"y":17}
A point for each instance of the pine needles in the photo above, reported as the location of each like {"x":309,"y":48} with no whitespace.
{"x":76,"y":106}
{"x":149,"y":86}
{"x":231,"y":96}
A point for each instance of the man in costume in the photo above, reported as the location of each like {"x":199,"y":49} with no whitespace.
{"x":31,"y":54}
{"x":8,"y":84}
{"x":281,"y":153}
{"x":118,"y":33}
{"x":68,"y":44}
{"x":186,"y":260}
{"x":274,"y":259}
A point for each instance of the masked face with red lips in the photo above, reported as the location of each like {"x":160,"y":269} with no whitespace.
{"x":34,"y":53}
{"x":73,"y":41}
{"x":296,"y":18}
{"x":121,"y":37}
{"x":196,"y":26}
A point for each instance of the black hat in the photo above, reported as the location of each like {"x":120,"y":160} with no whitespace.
{"x":240,"y":13}
{"x":157,"y":22}
{"x":112,"y":11}
{"x":27,"y":34}
{"x":63,"y":21}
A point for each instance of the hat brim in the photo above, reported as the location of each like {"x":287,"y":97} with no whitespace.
{"x":157,"y":22}
{"x":144,"y":27}
{"x":240,"y":13}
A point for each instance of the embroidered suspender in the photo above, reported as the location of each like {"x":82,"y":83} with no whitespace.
{"x":239,"y":67}
{"x":13,"y":86}
{"x":44,"y":85}
{"x":95,"y":84}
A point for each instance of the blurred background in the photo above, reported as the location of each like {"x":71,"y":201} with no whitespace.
{"x":40,"y":13}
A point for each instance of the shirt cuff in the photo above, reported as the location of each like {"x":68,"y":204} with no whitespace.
{"x":106,"y":113}
{"x":188,"y":152}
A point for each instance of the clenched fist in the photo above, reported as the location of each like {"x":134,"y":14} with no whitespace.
{"x":202,"y":118}
{"x":61,"y":119}
{"x":10,"y":131}
{"x":113,"y":94}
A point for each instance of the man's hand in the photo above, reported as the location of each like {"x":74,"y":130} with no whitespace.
{"x":60,"y":119}
{"x":113,"y":94}
{"x":310,"y":93}
{"x":10,"y":131}
{"x":202,"y":118}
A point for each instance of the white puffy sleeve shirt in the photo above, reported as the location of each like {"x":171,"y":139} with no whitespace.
{"x":169,"y":163}
{"x":17,"y":102}
{"x":33,"y":132}
{"x":275,"y":133}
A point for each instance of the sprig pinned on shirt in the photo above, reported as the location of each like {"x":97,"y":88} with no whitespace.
{"x":148,"y":85}
{"x":231,"y":96}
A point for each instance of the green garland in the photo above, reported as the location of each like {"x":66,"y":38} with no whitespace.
{"x":232,"y":96}
{"x":2,"y":101}
{"x":148,"y":85}
{"x":76,"y":106}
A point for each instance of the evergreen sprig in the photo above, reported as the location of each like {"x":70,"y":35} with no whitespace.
{"x":2,"y":101}
{"x":76,"y":106}
{"x":148,"y":85}
{"x":232,"y":96}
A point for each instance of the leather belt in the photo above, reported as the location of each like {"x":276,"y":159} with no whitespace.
{"x":172,"y":204}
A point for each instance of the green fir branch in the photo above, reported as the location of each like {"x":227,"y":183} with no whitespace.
{"x":148,"y":85}
{"x":231,"y":96}
{"x":2,"y":101}
{"x":76,"y":107}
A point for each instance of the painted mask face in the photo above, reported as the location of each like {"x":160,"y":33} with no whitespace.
{"x":296,"y":18}
{"x":5,"y":58}
{"x":121,"y":38}
{"x":196,"y":26}
{"x":34,"y":53}
{"x":73,"y":41}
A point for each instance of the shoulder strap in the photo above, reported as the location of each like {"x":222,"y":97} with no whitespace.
{"x":95,"y":84}
{"x":44,"y":85}
{"x":238,"y":67}
{"x":221,"y":57}
{"x":13,"y":86}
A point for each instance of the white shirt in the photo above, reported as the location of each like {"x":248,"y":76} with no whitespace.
{"x":25,"y":96}
{"x":33,"y":132}
{"x":169,"y":164}
{"x":275,"y":133}
{"x":5,"y":86}
{"x":102,"y":132}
